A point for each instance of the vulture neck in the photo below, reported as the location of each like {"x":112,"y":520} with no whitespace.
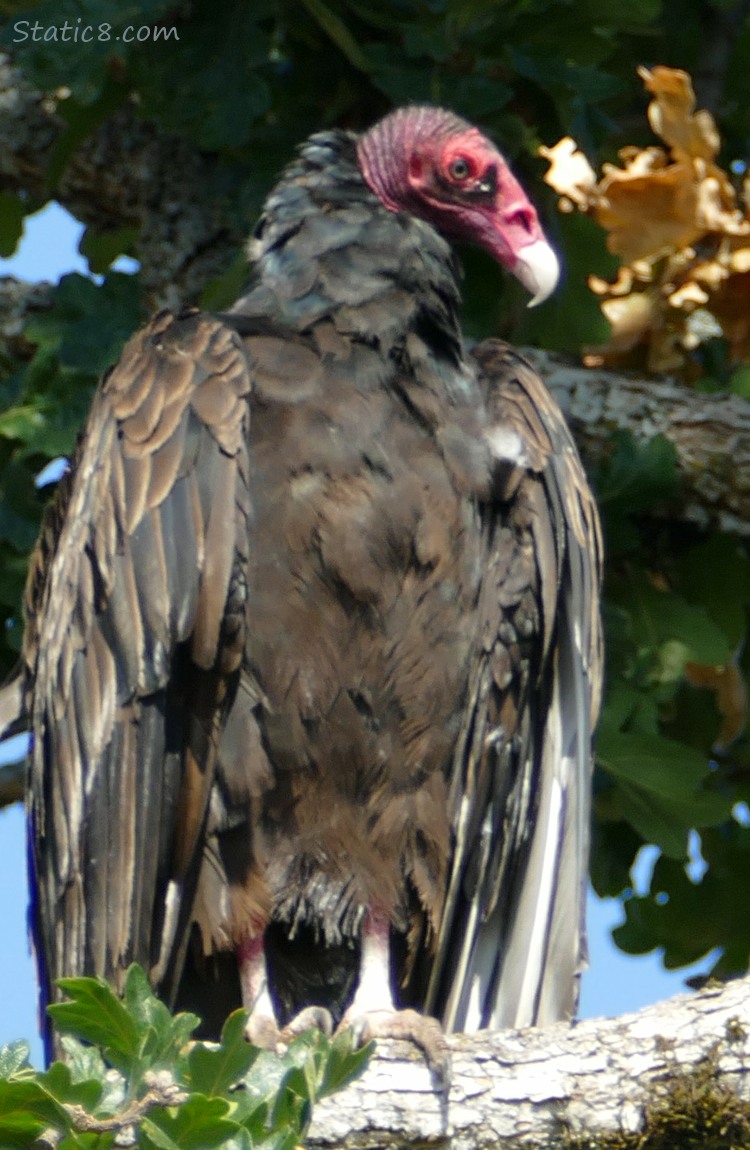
{"x":327,"y":247}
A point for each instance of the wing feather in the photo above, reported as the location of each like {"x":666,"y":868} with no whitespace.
{"x":512,"y":941}
{"x":131,"y":625}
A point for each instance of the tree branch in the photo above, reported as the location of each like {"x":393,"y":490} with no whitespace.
{"x":126,"y":173}
{"x":19,"y":301}
{"x":12,"y":778}
{"x":683,"y":1060}
{"x":710,"y":433}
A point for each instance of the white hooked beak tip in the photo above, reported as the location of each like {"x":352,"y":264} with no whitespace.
{"x":538,"y":269}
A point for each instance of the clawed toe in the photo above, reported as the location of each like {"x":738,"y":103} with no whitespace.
{"x":262,"y":1030}
{"x":405,"y":1025}
{"x":311,"y":1018}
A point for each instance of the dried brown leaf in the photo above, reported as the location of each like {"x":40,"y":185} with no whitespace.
{"x":648,"y":215}
{"x":570,"y":173}
{"x":728,"y":685}
{"x":673,"y":218}
{"x":672,"y":115}
{"x":730,"y":303}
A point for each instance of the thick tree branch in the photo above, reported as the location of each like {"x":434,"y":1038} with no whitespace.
{"x":127,"y":173}
{"x":19,"y":301}
{"x":710,"y":433}
{"x":684,"y":1059}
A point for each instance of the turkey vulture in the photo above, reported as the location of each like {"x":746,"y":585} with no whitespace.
{"x":312,"y":649}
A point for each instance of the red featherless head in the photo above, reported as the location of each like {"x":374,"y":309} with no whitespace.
{"x":429,"y":162}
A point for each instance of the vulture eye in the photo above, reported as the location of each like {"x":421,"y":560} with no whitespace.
{"x":461,"y":169}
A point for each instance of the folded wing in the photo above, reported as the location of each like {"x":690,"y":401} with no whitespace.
{"x":512,"y":943}
{"x":137,"y":588}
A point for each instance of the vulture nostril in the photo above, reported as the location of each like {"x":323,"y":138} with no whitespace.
{"x":522,"y":218}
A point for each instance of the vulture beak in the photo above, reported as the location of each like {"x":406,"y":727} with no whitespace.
{"x":538,"y":269}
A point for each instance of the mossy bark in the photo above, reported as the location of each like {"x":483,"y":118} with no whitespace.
{"x":675,"y":1076}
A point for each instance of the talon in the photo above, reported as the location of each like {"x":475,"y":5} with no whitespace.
{"x":405,"y":1026}
{"x":311,"y":1018}
{"x":373,"y":1014}
{"x":359,"y":1029}
{"x":263,"y":1031}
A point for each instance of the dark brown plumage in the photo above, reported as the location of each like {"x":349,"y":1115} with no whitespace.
{"x":312,"y":645}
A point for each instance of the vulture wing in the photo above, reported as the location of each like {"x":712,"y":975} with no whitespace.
{"x":512,"y":941}
{"x":135,"y":630}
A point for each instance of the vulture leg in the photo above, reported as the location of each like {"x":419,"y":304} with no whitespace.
{"x":262,"y":1028}
{"x":373,"y":1013}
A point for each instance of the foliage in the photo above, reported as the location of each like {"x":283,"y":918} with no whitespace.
{"x":243,"y":84}
{"x":43,"y":404}
{"x":130,"y":1066}
{"x":671,"y":749}
{"x":674,"y":218}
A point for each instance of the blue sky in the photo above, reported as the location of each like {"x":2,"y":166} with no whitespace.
{"x":614,"y":984}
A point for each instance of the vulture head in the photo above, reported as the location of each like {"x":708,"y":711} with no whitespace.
{"x":430,"y":162}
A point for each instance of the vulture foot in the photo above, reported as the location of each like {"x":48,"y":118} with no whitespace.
{"x":373,"y":1013}
{"x":262,"y":1029}
{"x":404,"y":1025}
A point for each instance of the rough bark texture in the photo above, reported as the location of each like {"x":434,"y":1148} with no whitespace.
{"x":126,"y":173}
{"x":600,"y":1083}
{"x":19,"y":302}
{"x":710,"y":433}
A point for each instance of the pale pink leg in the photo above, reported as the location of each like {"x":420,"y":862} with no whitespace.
{"x":373,"y":994}
{"x":262,"y":1028}
{"x":373,"y":1013}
